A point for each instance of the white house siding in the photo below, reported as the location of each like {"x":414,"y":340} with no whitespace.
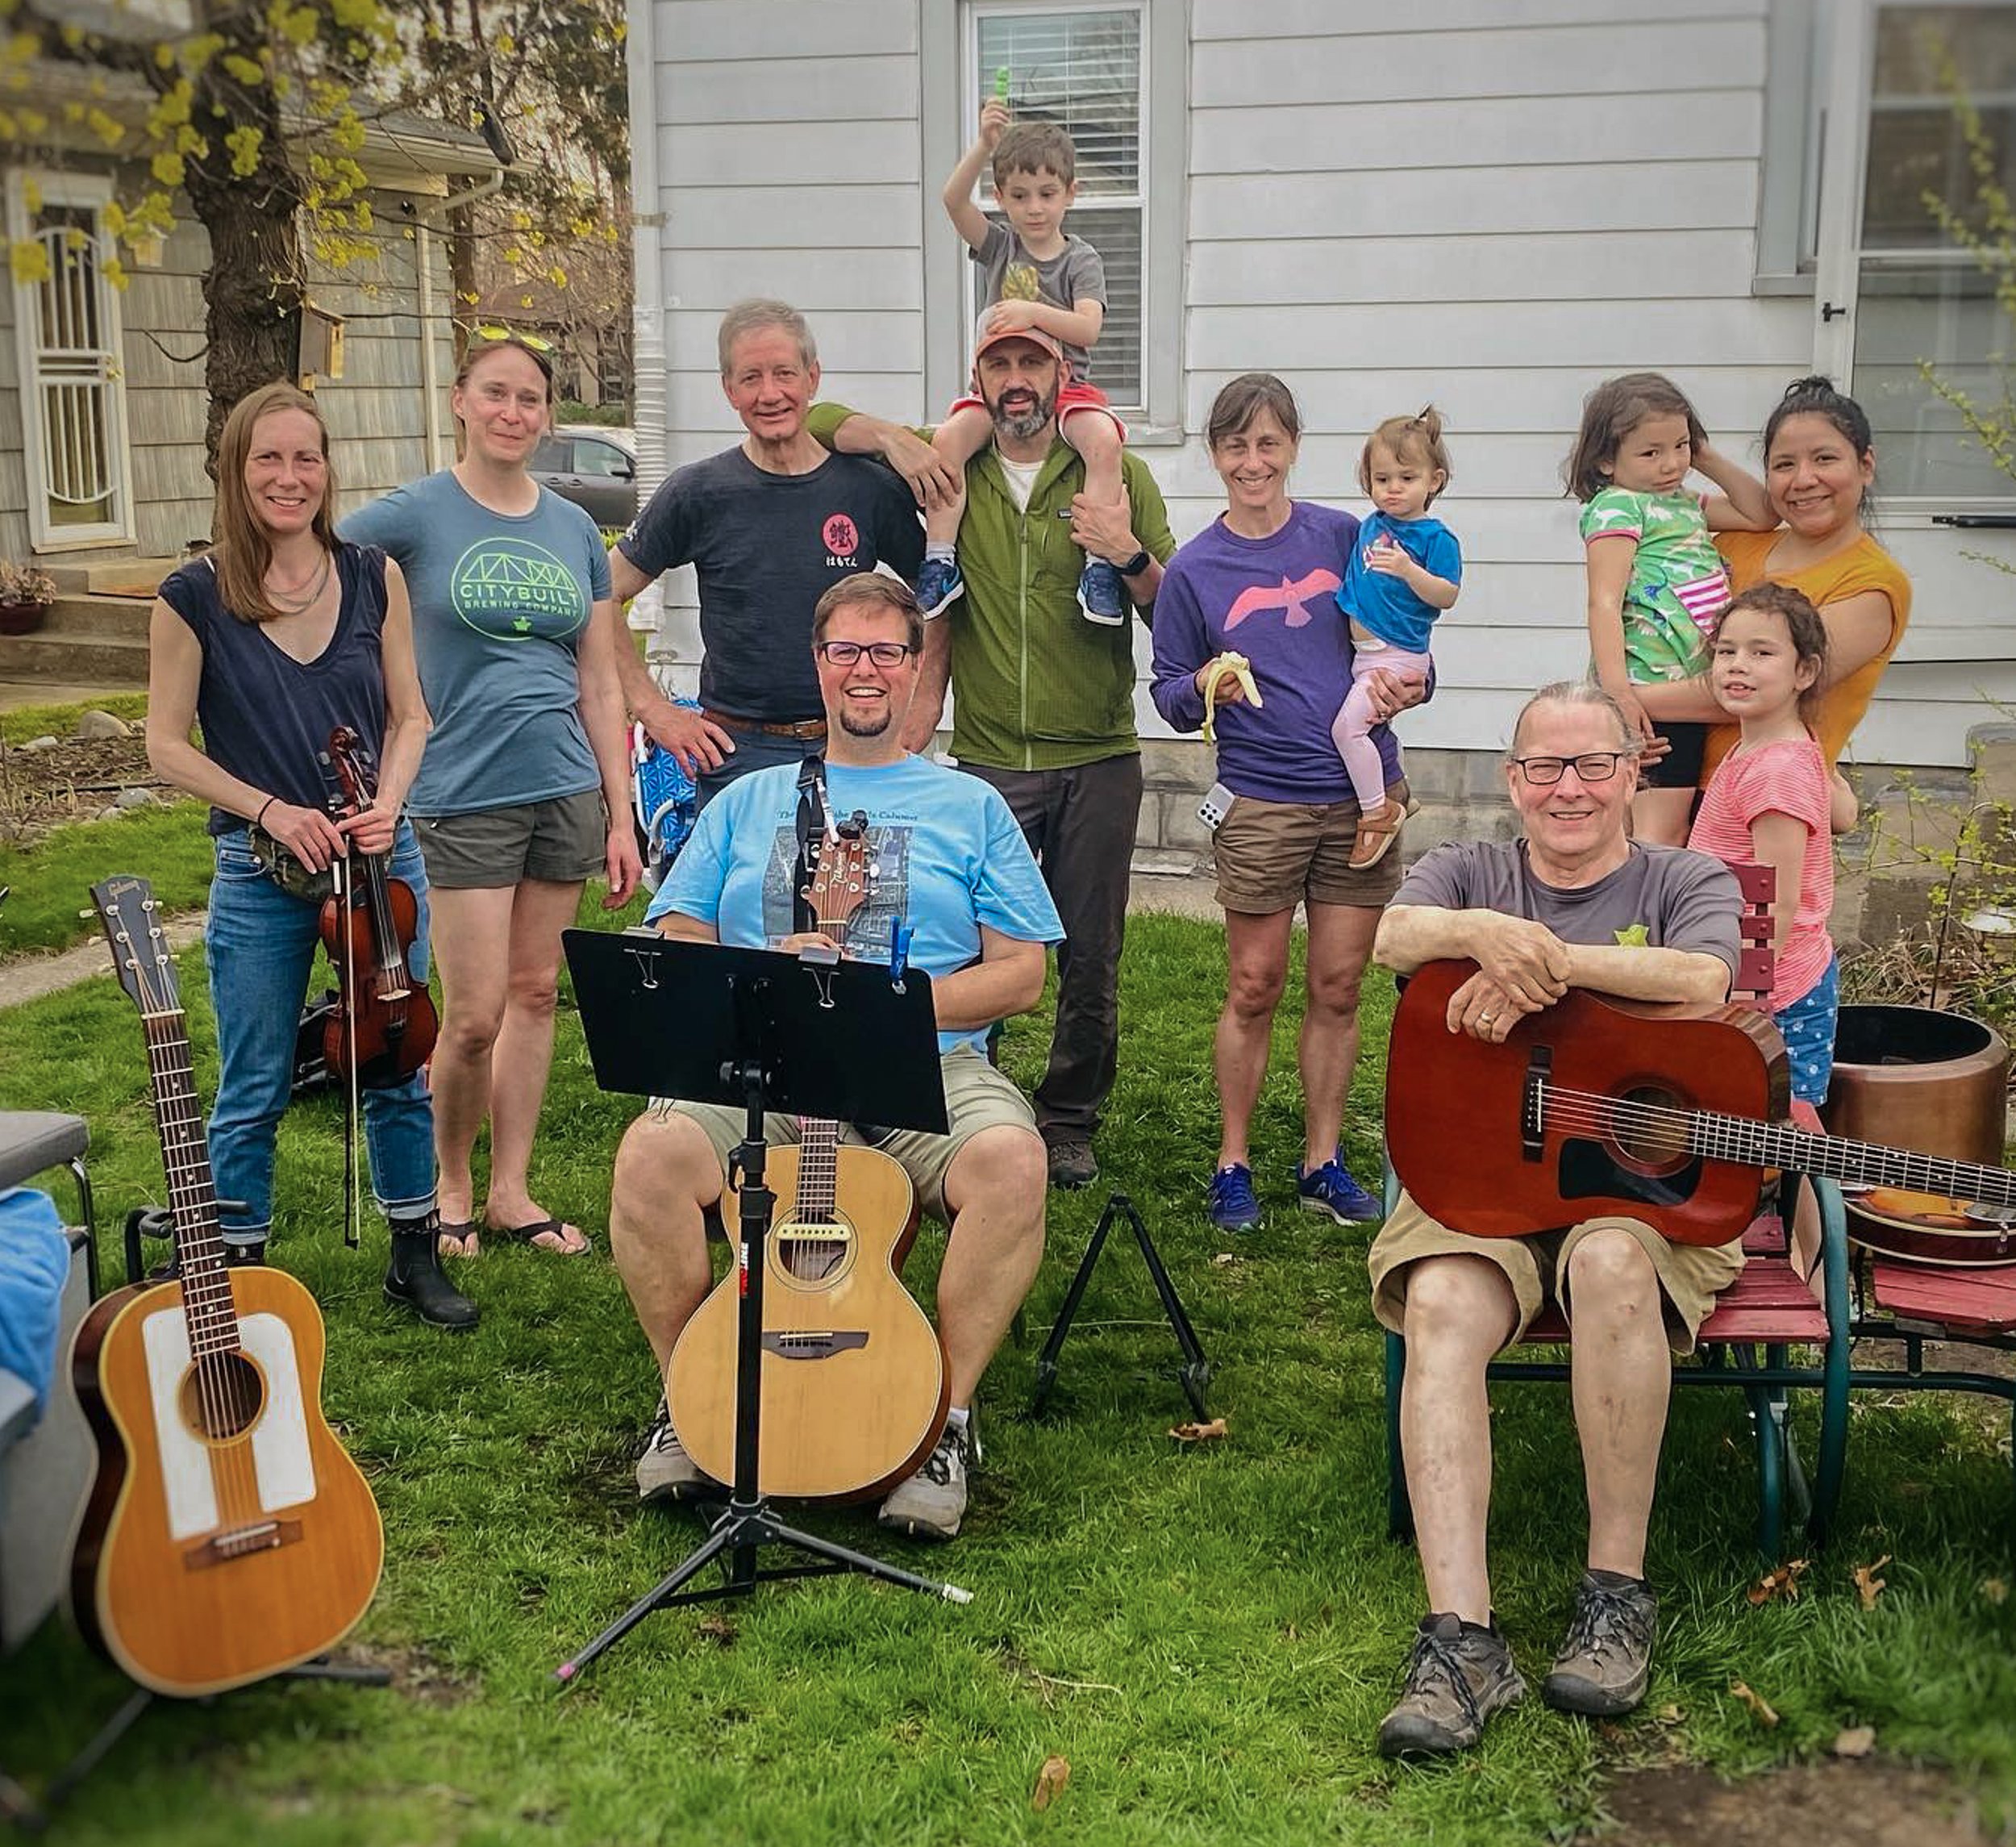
{"x":1490,"y":205}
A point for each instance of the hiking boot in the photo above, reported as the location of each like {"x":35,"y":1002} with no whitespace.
{"x":1103,"y":594}
{"x":664,"y":1471}
{"x":414,"y":1279}
{"x":1458,"y":1675}
{"x":931,"y":1504}
{"x":1330,"y":1190}
{"x":1602,"y":1667}
{"x":1072,"y":1165}
{"x":1234,"y":1207}
{"x":938,"y":584}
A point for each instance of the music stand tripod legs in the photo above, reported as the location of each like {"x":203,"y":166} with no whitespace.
{"x":748,"y":1524}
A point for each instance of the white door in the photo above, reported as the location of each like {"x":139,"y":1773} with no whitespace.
{"x":1901,"y":307}
{"x":73,"y":388}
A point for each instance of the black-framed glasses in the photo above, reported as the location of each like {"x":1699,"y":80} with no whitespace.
{"x":882,"y":654}
{"x":1591,"y":766}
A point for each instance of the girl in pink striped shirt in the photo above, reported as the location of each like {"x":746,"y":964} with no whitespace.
{"x":1770,"y":801}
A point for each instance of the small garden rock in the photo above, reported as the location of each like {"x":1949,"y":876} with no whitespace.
{"x":134,"y":798}
{"x":34,"y":743}
{"x":95,"y":725}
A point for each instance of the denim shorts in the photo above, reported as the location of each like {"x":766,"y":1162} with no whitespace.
{"x":1807,"y":1027}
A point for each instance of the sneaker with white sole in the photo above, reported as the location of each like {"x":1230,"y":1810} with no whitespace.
{"x":938,"y":583}
{"x":664,"y":1471}
{"x":1102,"y":594}
{"x":931,"y":1504}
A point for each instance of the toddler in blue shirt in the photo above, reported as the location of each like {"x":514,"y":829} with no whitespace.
{"x":1403,"y":572}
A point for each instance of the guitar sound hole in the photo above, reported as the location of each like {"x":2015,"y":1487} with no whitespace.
{"x":222,"y":1395}
{"x":1649,"y":1128}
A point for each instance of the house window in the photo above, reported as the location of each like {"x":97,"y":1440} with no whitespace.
{"x":1927,"y":312}
{"x":1083,"y":67}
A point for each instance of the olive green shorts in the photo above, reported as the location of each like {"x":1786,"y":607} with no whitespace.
{"x":1690,"y":1276}
{"x":561,"y":840}
{"x":977,"y":1097}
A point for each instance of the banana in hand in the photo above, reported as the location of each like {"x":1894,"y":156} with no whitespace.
{"x":1239,"y":668}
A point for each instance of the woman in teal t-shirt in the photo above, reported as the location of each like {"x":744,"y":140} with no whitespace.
{"x":523,"y":792}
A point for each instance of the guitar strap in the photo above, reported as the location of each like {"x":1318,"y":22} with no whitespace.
{"x":815,"y":823}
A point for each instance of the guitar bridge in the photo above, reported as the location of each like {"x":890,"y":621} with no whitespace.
{"x":1539,"y":1067}
{"x":809,"y":1344}
{"x":221,"y":1549}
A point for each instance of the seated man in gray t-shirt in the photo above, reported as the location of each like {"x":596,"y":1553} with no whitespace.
{"x":1574,"y":903}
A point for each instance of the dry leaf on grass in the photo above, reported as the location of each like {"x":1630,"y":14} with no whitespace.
{"x":1199,"y":1432}
{"x":1856,"y":1741}
{"x":1783,"y":1583}
{"x":1869,"y":1586}
{"x":1994,"y":1589}
{"x":1050,"y":1781}
{"x":1225,"y":1257}
{"x":1755,"y":1701}
{"x":1669,"y":1715}
{"x":717,"y":1630}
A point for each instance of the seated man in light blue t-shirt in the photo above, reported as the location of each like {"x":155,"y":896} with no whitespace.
{"x":952,"y":865}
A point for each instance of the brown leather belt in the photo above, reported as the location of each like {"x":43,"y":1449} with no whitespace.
{"x":807,"y":731}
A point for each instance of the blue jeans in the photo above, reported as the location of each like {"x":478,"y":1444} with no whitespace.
{"x":260,"y":946}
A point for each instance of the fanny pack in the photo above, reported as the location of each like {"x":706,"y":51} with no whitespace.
{"x":293,"y":875}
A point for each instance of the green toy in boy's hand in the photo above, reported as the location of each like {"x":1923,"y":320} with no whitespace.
{"x":1001,"y":83}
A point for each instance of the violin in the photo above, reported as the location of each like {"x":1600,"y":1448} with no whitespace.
{"x":384,"y":1026}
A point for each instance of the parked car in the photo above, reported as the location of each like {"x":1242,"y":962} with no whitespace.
{"x":596,"y":468}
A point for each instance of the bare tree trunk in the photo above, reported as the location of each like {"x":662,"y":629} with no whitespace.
{"x":253,"y":292}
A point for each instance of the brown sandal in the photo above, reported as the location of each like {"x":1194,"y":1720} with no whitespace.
{"x":1375,"y":833}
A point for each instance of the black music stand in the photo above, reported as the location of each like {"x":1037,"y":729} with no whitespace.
{"x":807,"y":1034}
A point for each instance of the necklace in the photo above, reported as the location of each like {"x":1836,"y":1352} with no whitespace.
{"x":292,"y":600}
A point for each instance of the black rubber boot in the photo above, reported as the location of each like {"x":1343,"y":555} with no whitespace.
{"x":414,"y":1279}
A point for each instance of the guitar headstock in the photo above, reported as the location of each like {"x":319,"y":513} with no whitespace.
{"x":843,"y":878}
{"x":140,"y":958}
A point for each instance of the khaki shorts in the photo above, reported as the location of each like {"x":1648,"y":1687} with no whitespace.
{"x":1690,"y":1276}
{"x":1272,"y":855}
{"x":562,"y":840}
{"x":977,"y":1097}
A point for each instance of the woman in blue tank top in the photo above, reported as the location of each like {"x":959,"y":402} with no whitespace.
{"x":277,"y":636}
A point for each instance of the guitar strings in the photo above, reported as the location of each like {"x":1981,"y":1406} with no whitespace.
{"x":1717,"y":1135}
{"x":203,"y":1279}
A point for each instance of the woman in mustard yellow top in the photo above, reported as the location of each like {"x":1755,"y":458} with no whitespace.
{"x":1819,"y":463}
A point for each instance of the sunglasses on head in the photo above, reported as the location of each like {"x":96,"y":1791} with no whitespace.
{"x":531,"y":344}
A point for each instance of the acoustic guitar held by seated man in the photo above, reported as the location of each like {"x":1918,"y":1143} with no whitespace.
{"x":951,"y":868}
{"x":1573,"y":905}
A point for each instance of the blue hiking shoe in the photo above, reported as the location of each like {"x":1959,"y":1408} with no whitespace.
{"x":938,"y":584}
{"x":1102,"y":594}
{"x":1330,"y":1190}
{"x":1233,"y":1207}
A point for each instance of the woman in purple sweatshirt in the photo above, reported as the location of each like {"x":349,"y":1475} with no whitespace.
{"x":1261,"y":581}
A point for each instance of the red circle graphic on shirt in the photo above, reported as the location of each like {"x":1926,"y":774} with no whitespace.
{"x":839,"y":535}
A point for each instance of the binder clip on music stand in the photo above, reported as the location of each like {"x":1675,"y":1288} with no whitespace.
{"x":764,"y":1030}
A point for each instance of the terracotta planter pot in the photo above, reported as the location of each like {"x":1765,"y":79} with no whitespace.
{"x":1908,"y":1077}
{"x":23,"y":618}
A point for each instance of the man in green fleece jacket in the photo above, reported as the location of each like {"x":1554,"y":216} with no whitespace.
{"x":1043,"y":705}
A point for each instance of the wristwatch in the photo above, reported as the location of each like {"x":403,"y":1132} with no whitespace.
{"x":1134,"y":566}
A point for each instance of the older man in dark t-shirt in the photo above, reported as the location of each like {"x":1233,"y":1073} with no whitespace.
{"x":1573,"y":904}
{"x":768,"y":526}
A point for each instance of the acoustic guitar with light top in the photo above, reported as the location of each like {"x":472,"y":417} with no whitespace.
{"x":1658,"y":1111}
{"x":228,"y":1535}
{"x":854,"y":1380}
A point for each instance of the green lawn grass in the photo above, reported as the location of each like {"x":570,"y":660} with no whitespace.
{"x":1209,"y":1635}
{"x":27,"y":721}
{"x":51,"y":879}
